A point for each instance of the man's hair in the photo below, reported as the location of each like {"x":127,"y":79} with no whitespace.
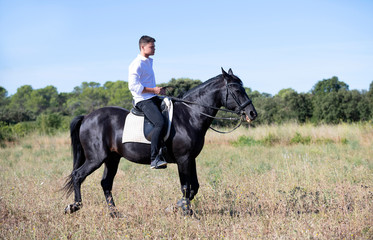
{"x":145,"y":40}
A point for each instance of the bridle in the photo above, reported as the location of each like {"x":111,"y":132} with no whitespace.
{"x":241,"y":106}
{"x":239,"y":111}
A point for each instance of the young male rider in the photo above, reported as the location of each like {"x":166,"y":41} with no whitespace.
{"x":141,"y":83}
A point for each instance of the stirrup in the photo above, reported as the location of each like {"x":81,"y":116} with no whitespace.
{"x":158,"y":163}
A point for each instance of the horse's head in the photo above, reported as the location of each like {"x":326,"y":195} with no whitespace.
{"x":236,"y":98}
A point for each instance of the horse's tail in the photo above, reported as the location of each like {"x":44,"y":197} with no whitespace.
{"x":78,"y":152}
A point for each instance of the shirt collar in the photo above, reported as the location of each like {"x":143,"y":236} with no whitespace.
{"x":144,"y":58}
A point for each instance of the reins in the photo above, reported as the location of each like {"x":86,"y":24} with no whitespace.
{"x":186,"y":103}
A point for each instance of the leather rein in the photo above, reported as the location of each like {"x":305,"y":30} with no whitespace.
{"x":241,"y":107}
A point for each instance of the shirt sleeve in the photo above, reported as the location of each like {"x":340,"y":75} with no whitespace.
{"x":134,"y":83}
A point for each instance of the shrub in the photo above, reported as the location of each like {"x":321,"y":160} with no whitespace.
{"x":49,"y":123}
{"x":21,"y":129}
{"x":65,"y":123}
{"x":298,"y":138}
{"x":270,"y":140}
{"x":5,"y":133}
{"x":245,"y":141}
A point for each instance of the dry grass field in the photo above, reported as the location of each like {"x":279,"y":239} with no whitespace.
{"x":269,"y":182}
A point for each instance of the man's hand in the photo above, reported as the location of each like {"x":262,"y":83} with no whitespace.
{"x":162,"y":91}
{"x":159,"y":90}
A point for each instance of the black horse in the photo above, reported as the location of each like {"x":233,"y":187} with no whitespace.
{"x":97,"y":138}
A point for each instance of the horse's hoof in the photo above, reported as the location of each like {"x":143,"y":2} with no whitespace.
{"x":184,"y":204}
{"x":68,"y":209}
{"x":73,"y":207}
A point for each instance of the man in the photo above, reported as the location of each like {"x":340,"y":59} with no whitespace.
{"x":141,"y":83}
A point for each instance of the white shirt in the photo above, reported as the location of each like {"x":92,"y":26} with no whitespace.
{"x":140,"y":75}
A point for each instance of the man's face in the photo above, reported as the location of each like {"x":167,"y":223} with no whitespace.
{"x":148,"y":49}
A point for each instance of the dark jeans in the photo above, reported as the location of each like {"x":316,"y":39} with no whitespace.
{"x":152,"y":110}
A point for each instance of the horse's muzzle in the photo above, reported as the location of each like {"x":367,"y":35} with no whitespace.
{"x":251,"y":116}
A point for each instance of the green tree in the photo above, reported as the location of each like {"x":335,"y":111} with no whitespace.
{"x":336,"y":107}
{"x":329,"y":85}
{"x":177,"y":87}
{"x":4,"y":102}
{"x":350,"y":105}
{"x":370,"y":100}
{"x":86,"y":98}
{"x":44,"y":100}
{"x":285,"y":102}
{"x":3,"y":95}
{"x":265,"y":106}
{"x":62,"y":103}
{"x":327,"y":103}
{"x":118,"y":94}
{"x":303,"y":107}
{"x":286,"y":93}
{"x":19,"y":108}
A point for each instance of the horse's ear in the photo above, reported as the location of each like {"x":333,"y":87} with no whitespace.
{"x":230,"y":72}
{"x":224,"y":73}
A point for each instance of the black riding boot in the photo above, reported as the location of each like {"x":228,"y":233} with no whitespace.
{"x":159,"y":162}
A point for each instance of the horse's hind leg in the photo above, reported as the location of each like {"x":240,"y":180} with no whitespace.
{"x":77,"y":178}
{"x":111,"y":167}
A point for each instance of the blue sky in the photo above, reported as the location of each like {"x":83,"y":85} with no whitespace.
{"x":270,"y":45}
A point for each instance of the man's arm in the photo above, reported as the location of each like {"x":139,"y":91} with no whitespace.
{"x":134,"y":84}
{"x":156,"y":90}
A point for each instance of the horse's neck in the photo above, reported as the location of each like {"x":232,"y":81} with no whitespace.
{"x":207,"y":98}
{"x":207,"y":94}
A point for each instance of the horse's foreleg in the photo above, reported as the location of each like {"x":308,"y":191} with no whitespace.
{"x":194,"y":185}
{"x":111,"y":167}
{"x":185,"y":181}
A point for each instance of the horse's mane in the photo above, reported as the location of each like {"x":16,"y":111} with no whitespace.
{"x":202,"y":85}
{"x":208,"y":82}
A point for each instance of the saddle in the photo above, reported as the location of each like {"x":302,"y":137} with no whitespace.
{"x":138,"y":128}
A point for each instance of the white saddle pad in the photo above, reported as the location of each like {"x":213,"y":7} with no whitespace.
{"x":134,"y":126}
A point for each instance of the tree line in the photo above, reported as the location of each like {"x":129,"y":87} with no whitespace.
{"x":329,"y":101}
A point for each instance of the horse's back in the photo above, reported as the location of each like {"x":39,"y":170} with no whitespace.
{"x":105,"y":113}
